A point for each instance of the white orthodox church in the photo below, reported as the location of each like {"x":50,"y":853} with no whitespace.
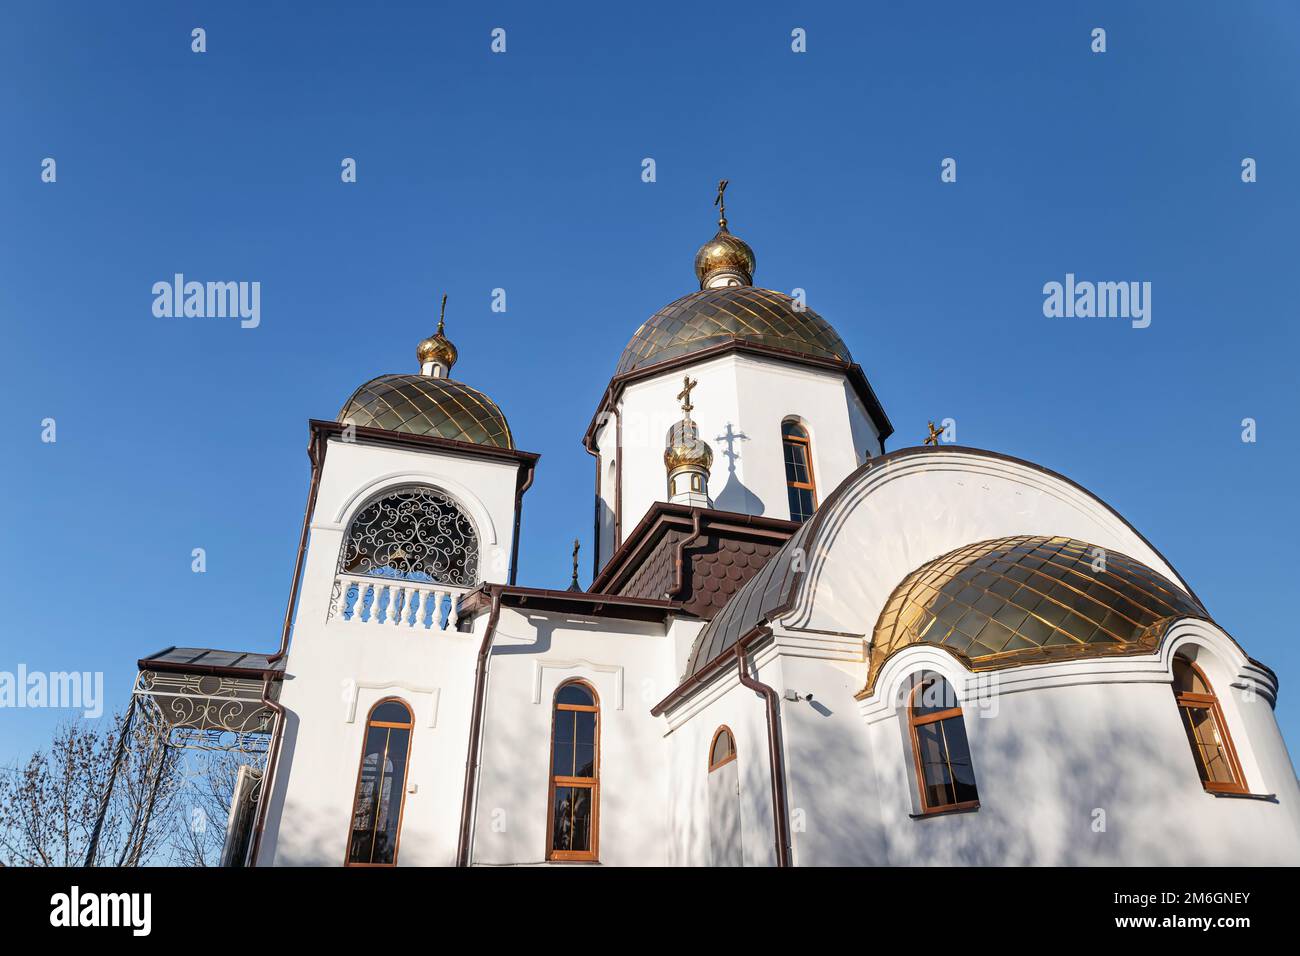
{"x":798,"y":648}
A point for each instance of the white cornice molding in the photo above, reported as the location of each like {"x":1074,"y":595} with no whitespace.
{"x":433,"y":693}
{"x":582,"y":665}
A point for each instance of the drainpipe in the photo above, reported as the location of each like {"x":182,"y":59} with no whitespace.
{"x":682,"y":545}
{"x":776,"y":758}
{"x":520,"y":488}
{"x":476,"y":729}
{"x":316,"y":453}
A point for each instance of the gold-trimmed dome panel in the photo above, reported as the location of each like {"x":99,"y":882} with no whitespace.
{"x":737,"y":313}
{"x":423,"y":405}
{"x":1026,"y":599}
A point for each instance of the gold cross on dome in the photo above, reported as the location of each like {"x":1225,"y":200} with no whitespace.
{"x":721,"y":202}
{"x":933,"y":437}
{"x":684,"y":396}
{"x":442,"y":315}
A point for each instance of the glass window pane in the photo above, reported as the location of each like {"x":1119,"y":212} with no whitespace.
{"x":574,"y":694}
{"x":562,"y":749}
{"x":584,"y":761}
{"x":571,"y":819}
{"x":391,"y":711}
{"x":934,"y":770}
{"x":959,"y":762}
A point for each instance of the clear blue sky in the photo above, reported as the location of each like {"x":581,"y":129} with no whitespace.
{"x":522,"y":171}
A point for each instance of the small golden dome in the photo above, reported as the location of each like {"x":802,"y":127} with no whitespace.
{"x":437,"y":347}
{"x":725,"y":254}
{"x":684,"y":447}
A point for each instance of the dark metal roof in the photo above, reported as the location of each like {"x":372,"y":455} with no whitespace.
{"x":744,"y":313}
{"x":207,"y":660}
{"x":423,"y":405}
{"x":750,"y":606}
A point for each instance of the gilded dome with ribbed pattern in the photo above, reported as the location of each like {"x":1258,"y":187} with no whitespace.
{"x":425,"y":405}
{"x":1026,"y":600}
{"x":743,"y":313}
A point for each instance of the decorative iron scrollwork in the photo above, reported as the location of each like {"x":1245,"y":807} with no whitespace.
{"x":415,"y":533}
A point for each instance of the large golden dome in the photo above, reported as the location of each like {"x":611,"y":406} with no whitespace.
{"x":1025,"y":600}
{"x":425,"y":405}
{"x":743,"y":313}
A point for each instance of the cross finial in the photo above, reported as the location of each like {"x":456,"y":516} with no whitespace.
{"x":573,"y":585}
{"x":442,"y":314}
{"x":933,"y":437}
{"x":721,"y":203}
{"x":684,"y":396}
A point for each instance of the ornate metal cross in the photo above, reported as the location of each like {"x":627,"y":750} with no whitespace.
{"x":684,"y":396}
{"x":933,"y":437}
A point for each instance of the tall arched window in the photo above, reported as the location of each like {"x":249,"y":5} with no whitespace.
{"x":799,"y":482}
{"x":1207,"y":731}
{"x":414,"y":533}
{"x":944,"y":773}
{"x":574,"y":806}
{"x":381,"y":784}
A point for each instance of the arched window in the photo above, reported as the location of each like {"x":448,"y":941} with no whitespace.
{"x":801,"y":487}
{"x":1207,"y":731}
{"x":723,"y":749}
{"x":414,"y":533}
{"x":381,"y":784}
{"x":944,"y":773}
{"x":574,"y":805}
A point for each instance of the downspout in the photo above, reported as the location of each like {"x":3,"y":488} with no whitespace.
{"x":775,"y":755}
{"x":476,"y":729}
{"x":618,"y":477}
{"x":680,"y":573}
{"x":520,"y":488}
{"x":316,"y":453}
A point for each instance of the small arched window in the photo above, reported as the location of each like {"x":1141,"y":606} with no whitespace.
{"x":414,"y":533}
{"x":723,"y":749}
{"x":1207,"y":731}
{"x":944,"y":773}
{"x":574,"y":804}
{"x":381,"y":785}
{"x":799,"y":482}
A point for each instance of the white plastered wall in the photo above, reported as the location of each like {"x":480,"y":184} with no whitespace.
{"x":336,"y":670}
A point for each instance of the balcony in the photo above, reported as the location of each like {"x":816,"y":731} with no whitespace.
{"x":364,"y":601}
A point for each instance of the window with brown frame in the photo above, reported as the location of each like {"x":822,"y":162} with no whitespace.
{"x":723,"y":749}
{"x":381,"y":785}
{"x":945,"y":775}
{"x":573,"y":807}
{"x":1207,"y":731}
{"x":800,"y":485}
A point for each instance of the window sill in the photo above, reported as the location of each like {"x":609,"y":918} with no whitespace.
{"x":946,"y":811}
{"x":1266,"y":797}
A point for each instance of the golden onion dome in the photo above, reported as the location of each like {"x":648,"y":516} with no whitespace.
{"x":725,"y":255}
{"x":425,"y":405}
{"x":1028,"y":600}
{"x":436,"y":348}
{"x":683,"y":446}
{"x":713,"y":317}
